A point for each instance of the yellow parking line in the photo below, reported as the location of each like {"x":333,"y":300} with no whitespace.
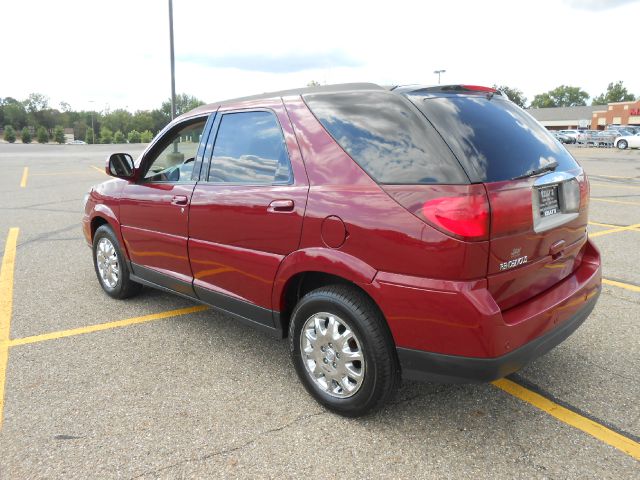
{"x":604,"y":224}
{"x":565,"y":415}
{"x":626,"y":286}
{"x":98,"y":169}
{"x":615,"y":230}
{"x":104,"y":326}
{"x":614,"y":201}
{"x":25,"y":175}
{"x":615,"y":176}
{"x":6,"y":306}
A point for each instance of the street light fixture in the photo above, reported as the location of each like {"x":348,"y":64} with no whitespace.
{"x":439,"y":72}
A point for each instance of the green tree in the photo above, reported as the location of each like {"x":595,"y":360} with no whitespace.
{"x":146,"y":136}
{"x":515,"y":95}
{"x":25,"y":136}
{"x":9,"y":134}
{"x":119,"y":137}
{"x":106,"y":135}
{"x":142,"y":120}
{"x":58,"y":134}
{"x":36,"y":102}
{"x":184,"y":103}
{"x":134,"y":136}
{"x":313,"y":83}
{"x":90,"y":136}
{"x":562,"y":96}
{"x":14,"y":113}
{"x":616,"y":92}
{"x":41,"y":135}
{"x":118,"y":120}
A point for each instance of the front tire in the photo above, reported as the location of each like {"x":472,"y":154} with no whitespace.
{"x":342,"y":350}
{"x":622,"y":144}
{"x":110,"y":265}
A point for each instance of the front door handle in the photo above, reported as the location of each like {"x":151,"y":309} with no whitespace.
{"x":179,"y":200}
{"x":281,"y":206}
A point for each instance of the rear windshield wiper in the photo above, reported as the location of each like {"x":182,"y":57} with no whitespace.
{"x":549,"y":167}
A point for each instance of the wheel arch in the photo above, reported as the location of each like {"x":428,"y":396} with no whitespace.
{"x":103,"y":215}
{"x":308,"y":269}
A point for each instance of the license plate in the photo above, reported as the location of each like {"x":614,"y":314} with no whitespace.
{"x":548,"y":200}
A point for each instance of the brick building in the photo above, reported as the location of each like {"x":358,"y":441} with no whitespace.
{"x":619,"y":113}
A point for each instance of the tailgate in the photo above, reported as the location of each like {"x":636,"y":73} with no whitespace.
{"x":537,"y":233}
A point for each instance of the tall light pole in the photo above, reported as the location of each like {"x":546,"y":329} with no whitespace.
{"x":173,"y":65}
{"x":439,"y":72}
{"x":93,"y":132}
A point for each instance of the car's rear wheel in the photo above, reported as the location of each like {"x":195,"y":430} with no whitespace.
{"x":342,"y":350}
{"x":622,"y":144}
{"x":110,"y":265}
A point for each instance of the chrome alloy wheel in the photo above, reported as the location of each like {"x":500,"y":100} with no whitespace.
{"x":107,"y":262}
{"x":332,"y":355}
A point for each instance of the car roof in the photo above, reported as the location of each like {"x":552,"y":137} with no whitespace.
{"x":340,"y":87}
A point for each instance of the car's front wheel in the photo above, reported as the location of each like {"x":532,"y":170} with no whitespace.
{"x":342,"y":350}
{"x":110,"y":265}
{"x":622,"y":144}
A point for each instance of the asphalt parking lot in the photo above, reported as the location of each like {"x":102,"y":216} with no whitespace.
{"x":159,"y":387}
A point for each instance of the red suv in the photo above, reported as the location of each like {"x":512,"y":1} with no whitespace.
{"x":433,"y":233}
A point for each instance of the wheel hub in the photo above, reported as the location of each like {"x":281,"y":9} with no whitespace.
{"x":332,"y":355}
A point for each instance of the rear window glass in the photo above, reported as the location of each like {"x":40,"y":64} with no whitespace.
{"x":493,"y":138}
{"x":387,"y":137}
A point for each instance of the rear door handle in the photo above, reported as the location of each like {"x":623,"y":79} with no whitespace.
{"x":281,"y":206}
{"x":179,"y":200}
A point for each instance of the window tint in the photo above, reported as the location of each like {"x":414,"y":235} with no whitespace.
{"x":494,"y":139}
{"x":387,"y":137}
{"x":174,"y":162}
{"x":250,"y":148}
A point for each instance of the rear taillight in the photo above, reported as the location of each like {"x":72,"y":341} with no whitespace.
{"x":465,"y":216}
{"x":583,"y":181}
{"x":461,"y":211}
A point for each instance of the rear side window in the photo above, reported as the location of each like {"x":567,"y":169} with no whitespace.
{"x":387,"y":137}
{"x":494,"y":139}
{"x":250,"y":149}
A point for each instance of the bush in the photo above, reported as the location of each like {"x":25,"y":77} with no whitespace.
{"x":106,"y":135}
{"x":146,"y":136}
{"x":41,"y":135}
{"x":118,"y":137}
{"x":25,"y":135}
{"x":134,"y":136}
{"x":9,"y":134}
{"x":58,"y":134}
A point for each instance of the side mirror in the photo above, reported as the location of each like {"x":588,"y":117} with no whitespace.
{"x":120,"y":165}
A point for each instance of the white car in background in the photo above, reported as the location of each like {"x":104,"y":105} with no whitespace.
{"x":627,"y":141}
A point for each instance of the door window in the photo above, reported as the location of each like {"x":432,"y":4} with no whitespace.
{"x":174,"y":162}
{"x":250,"y":149}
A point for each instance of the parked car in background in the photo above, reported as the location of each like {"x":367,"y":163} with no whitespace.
{"x":627,"y":141}
{"x":430,"y":233}
{"x":76,"y":142}
{"x":562,"y":137}
{"x":573,"y":134}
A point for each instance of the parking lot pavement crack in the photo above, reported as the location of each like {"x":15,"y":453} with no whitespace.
{"x":237,"y":448}
{"x":46,"y":235}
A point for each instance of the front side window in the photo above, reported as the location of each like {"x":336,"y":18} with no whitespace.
{"x":250,"y":149}
{"x":174,"y":162}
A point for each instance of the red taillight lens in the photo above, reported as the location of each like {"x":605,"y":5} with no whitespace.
{"x":465,"y":216}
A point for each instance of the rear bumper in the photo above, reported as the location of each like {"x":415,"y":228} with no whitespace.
{"x":455,"y":331}
{"x":435,"y":367}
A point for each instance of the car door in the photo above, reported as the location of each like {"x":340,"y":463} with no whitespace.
{"x":247,"y":210}
{"x":154,"y":210}
{"x":634,"y":141}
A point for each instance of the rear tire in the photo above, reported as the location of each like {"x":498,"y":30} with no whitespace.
{"x":622,"y":144}
{"x":342,"y":350}
{"x":110,"y":265}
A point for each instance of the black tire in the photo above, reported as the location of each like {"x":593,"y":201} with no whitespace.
{"x":124,"y":287}
{"x":355,"y":309}
{"x":622,"y":144}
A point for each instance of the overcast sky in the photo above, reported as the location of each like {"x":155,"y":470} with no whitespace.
{"x":116,"y":53}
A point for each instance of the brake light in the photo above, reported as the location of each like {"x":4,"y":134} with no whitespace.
{"x":464,"y":216}
{"x":478,"y":88}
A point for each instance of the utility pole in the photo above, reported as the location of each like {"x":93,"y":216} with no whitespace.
{"x":173,"y":64}
{"x":438,"y":72}
{"x":93,"y":132}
